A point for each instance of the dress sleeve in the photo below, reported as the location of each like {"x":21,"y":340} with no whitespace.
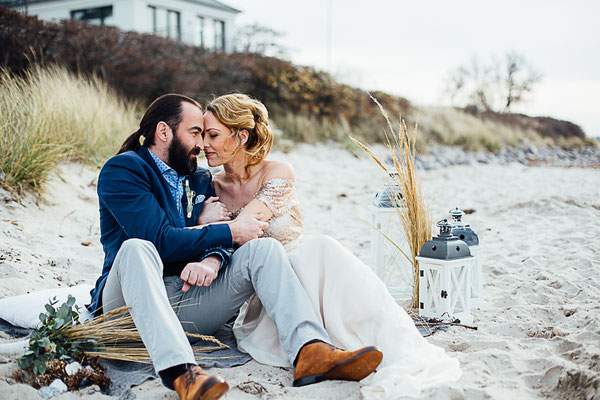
{"x":278,"y":194}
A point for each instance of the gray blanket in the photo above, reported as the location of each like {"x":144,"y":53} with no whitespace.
{"x":125,"y":374}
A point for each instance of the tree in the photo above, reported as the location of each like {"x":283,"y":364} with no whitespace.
{"x":495,"y":86}
{"x":519,"y":79}
{"x":258,"y":39}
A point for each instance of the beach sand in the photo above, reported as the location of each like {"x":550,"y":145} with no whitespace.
{"x":540,"y":241}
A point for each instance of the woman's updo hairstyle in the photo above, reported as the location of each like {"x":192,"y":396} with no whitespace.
{"x":239,"y":111}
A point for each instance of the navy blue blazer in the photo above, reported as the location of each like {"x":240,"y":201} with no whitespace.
{"x":135,"y":202}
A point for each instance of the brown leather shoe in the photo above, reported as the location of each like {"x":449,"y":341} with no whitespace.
{"x":195,"y":384}
{"x":321,"y":361}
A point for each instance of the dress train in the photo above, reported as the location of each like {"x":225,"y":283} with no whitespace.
{"x":357,"y":310}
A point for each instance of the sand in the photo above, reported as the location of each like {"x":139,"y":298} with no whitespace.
{"x":540,"y":241}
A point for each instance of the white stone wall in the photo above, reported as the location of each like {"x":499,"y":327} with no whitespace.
{"x":135,"y":15}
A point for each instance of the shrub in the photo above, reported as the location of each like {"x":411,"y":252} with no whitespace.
{"x":143,"y":67}
{"x":49,"y":115}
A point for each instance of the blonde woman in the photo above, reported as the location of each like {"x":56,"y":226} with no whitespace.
{"x":353,"y":303}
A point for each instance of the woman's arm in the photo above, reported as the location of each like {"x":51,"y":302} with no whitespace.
{"x":264,"y":200}
{"x":257,"y":207}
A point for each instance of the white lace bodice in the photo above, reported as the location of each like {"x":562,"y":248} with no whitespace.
{"x":279,"y":195}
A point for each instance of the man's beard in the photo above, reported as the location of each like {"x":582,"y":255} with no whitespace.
{"x":180,"y":158}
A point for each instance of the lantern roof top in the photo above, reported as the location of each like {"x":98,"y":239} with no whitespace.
{"x":445,"y":246}
{"x":389,"y":195}
{"x":461,"y":230}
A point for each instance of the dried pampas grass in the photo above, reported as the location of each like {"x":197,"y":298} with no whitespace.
{"x":415,"y":216}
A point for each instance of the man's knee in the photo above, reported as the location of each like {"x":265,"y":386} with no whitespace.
{"x":267,"y":243}
{"x":266,"y":247}
{"x":254,"y":251}
{"x":138,"y":252}
{"x":136,"y":245}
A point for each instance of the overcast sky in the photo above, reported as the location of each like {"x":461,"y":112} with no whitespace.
{"x":407,"y":48}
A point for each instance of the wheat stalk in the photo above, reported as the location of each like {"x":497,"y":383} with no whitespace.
{"x":414,"y":216}
{"x":116,"y":337}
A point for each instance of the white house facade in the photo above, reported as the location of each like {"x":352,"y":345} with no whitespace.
{"x":207,"y":23}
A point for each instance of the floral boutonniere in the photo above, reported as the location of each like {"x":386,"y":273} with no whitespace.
{"x":189,"y":195}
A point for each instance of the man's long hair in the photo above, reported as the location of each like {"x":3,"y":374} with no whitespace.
{"x":167,"y":108}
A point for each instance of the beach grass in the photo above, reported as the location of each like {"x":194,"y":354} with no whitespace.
{"x":456,"y":127}
{"x":437,"y":125}
{"x":49,"y":115}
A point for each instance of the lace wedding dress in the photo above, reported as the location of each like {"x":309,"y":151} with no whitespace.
{"x":354,"y":304}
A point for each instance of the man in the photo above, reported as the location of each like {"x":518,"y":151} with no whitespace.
{"x":150,"y":196}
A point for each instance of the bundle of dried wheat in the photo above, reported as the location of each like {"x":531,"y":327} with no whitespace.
{"x":115,"y":337}
{"x":415,"y":216}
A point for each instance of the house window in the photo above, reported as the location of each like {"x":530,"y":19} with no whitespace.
{"x":201,"y":34}
{"x":208,"y":35}
{"x":219,"y":35}
{"x":173,"y":24}
{"x":153,"y":19}
{"x":165,"y":22}
{"x":96,"y":16}
{"x":212,"y":34}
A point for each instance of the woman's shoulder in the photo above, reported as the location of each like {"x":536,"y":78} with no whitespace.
{"x":278,"y":170}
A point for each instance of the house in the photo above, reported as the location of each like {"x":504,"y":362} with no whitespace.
{"x":207,"y":23}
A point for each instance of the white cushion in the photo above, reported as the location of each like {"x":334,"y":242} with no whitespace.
{"x":24,"y":311}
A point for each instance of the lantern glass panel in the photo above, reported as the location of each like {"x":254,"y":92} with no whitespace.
{"x":390,"y":265}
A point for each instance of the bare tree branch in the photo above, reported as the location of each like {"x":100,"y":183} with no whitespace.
{"x":497,"y":85}
{"x":259,"y":39}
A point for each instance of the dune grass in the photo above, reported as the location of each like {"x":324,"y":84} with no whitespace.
{"x":450,"y":126}
{"x":437,"y":125}
{"x":48,"y":115}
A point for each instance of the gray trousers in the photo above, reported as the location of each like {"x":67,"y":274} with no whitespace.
{"x":261,"y":266}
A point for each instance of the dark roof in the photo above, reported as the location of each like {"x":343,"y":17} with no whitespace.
{"x":209,"y":3}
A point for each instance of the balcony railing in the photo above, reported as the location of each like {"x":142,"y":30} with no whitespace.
{"x":18,"y":5}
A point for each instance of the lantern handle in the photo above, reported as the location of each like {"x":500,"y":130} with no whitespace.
{"x":444,"y":226}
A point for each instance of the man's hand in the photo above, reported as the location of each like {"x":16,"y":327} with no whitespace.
{"x":247,"y":227}
{"x":213,"y":211}
{"x":200,"y":273}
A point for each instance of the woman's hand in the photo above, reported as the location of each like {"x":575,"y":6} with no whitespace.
{"x":213,"y":211}
{"x":201,"y":273}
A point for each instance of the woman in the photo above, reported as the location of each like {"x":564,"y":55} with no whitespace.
{"x":354,"y":304}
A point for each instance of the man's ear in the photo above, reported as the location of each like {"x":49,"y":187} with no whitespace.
{"x":243,"y":137}
{"x":162,"y":131}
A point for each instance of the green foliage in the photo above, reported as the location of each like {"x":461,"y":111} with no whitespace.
{"x":50,"y":340}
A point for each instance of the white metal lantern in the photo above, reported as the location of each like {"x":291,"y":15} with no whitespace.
{"x":390,"y":265}
{"x":466,"y":234}
{"x":445,"y":266}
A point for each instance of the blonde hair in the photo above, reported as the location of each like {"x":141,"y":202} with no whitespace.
{"x":239,"y":112}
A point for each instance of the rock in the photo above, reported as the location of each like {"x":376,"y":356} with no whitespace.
{"x":252,"y":387}
{"x":73,"y":368}
{"x":59,"y":386}
{"x":47,"y":392}
{"x":93,"y":389}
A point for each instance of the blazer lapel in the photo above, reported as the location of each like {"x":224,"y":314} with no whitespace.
{"x":171,"y":208}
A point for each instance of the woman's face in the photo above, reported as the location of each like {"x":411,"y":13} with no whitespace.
{"x":219,"y":145}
